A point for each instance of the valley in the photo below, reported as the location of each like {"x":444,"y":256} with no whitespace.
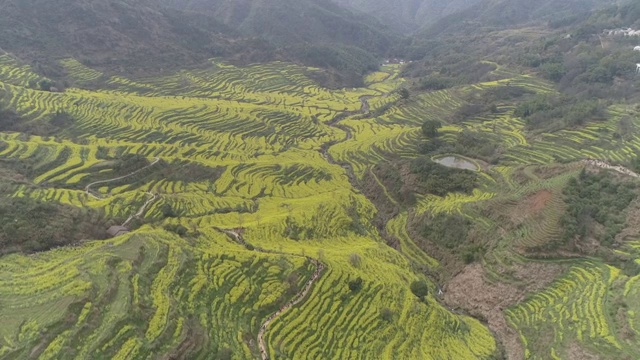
{"x":168,"y":291}
{"x":438,"y":208}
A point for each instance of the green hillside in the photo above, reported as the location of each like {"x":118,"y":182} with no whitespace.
{"x":475,"y":198}
{"x":288,"y":21}
{"x":408,"y":15}
{"x":149,"y":37}
{"x":507,"y":13}
{"x":172,"y":284}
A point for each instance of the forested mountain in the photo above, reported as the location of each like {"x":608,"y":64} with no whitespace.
{"x":315,"y":32}
{"x":115,"y":33}
{"x":294,"y":21}
{"x":147,"y":36}
{"x":505,"y":13}
{"x":413,"y":15}
{"x":408,"y":15}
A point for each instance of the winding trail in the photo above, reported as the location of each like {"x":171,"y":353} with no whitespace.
{"x":302,"y":294}
{"x":365,"y":109}
{"x":97,"y":195}
{"x":298,"y":298}
{"x":335,"y":122}
{"x":142,"y":209}
{"x":604,"y":165}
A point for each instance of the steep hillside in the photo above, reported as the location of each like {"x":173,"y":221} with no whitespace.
{"x":408,"y":15}
{"x":291,"y":21}
{"x":151,"y":36}
{"x":478,"y":200}
{"x":116,"y":34}
{"x":505,"y":13}
{"x":313,"y":32}
{"x":294,"y":21}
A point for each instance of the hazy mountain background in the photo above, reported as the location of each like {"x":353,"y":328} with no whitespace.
{"x":346,"y":37}
{"x":408,"y":15}
{"x":160,"y":35}
{"x":294,"y":21}
{"x":109,"y":33}
{"x":493,"y":14}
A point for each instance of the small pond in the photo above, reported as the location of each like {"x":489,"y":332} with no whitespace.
{"x":456,"y":162}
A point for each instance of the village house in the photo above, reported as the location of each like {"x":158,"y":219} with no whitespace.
{"x":116,"y":231}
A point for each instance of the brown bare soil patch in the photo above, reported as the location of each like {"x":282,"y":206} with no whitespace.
{"x":530,"y":206}
{"x":577,"y":352}
{"x":539,"y":200}
{"x":470,"y":290}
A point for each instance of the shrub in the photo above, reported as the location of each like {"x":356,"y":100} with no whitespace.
{"x":387,"y":314}
{"x":177,"y":229}
{"x":430,"y":128}
{"x":420,"y":288}
{"x":355,"y":285}
{"x":167,"y":211}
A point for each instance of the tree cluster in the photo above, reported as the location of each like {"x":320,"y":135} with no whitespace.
{"x":596,"y":205}
{"x":448,"y":230}
{"x":547,"y":112}
{"x":439,"y":180}
{"x":28,"y":225}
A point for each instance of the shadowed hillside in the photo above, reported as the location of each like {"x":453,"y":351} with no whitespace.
{"x":146,"y":37}
{"x":113,"y":34}
{"x":294,"y":21}
{"x":408,"y":15}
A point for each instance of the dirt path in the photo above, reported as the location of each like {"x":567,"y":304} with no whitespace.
{"x":142,"y":209}
{"x":302,"y":294}
{"x":298,"y":298}
{"x":365,"y":109}
{"x":87,"y":189}
{"x":604,"y":165}
{"x":153,"y":197}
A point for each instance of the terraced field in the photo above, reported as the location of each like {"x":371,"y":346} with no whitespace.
{"x":578,"y":315}
{"x":225,"y":148}
{"x":249,"y":231}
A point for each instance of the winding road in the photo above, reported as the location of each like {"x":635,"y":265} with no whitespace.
{"x":302,"y":294}
{"x":335,"y":122}
{"x":299,"y":297}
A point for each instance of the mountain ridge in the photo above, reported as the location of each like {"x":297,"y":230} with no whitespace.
{"x":408,"y":15}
